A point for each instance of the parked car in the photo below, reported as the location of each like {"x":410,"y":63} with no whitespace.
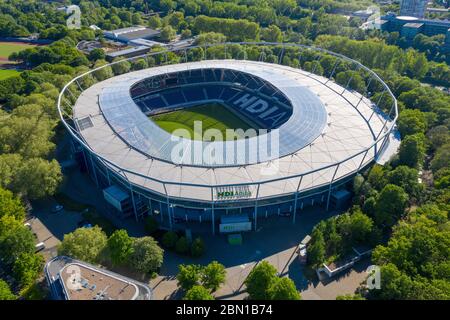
{"x":57,"y":208}
{"x":284,"y":214}
{"x":39,"y":247}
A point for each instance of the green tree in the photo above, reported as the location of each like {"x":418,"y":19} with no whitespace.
{"x":260,"y":280}
{"x":182,"y":245}
{"x":316,"y":250}
{"x":151,"y":225}
{"x":85,"y":244}
{"x":391,"y":205}
{"x":197,"y":247}
{"x":120,"y":246}
{"x":272,"y":34}
{"x":96,"y":54}
{"x":154,"y":22}
{"x":15,"y":239}
{"x":147,"y":256}
{"x":167,"y":33}
{"x":198,"y":293}
{"x":411,"y":121}
{"x":169,"y":239}
{"x":188,"y":276}
{"x":412,"y":150}
{"x":213,"y":275}
{"x":407,"y":178}
{"x":5,"y":291}
{"x":121,"y":67}
{"x":27,"y":268}
{"x":11,"y":205}
{"x":441,"y":158}
{"x":283,"y":289}
{"x":102,"y":73}
{"x":210,"y":37}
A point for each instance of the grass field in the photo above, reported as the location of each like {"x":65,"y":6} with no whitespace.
{"x":212,"y":116}
{"x":6,"y":48}
{"x":6,"y":73}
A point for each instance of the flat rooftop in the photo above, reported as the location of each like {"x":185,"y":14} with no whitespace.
{"x":71,"y":279}
{"x":93,"y":284}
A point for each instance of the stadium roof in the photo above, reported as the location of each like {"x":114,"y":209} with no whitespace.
{"x":349,"y":128}
{"x":126,"y":118}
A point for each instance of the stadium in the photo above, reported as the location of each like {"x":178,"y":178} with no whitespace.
{"x":313,"y":135}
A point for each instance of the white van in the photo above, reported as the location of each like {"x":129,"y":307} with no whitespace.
{"x":39,"y":247}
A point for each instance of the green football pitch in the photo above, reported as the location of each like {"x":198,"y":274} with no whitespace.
{"x":7,"y":73}
{"x":6,"y":48}
{"x":212,"y":116}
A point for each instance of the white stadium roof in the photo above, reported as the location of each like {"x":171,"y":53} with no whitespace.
{"x":350,"y":127}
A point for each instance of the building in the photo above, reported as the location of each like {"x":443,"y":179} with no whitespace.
{"x":70,"y":279}
{"x":126,"y":35}
{"x":413,"y":8}
{"x":408,"y":26}
{"x":325,"y":134}
{"x":128,"y":53}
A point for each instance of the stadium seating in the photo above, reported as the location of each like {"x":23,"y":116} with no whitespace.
{"x":158,"y":94}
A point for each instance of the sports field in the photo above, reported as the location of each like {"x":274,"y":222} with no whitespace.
{"x":212,"y":116}
{"x":6,"y":73}
{"x":6,"y":48}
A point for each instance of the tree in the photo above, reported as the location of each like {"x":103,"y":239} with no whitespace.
{"x":139,"y":64}
{"x":198,"y":293}
{"x":121,"y":67}
{"x":169,"y":239}
{"x":167,"y":34}
{"x":27,"y":268}
{"x":151,"y":225}
{"x":407,"y":178}
{"x":411,"y":121}
{"x":442,"y":158}
{"x":154,"y":22}
{"x":120,"y":246}
{"x":391,"y":205}
{"x":283,"y":289}
{"x":260,"y":279}
{"x":37,"y":178}
{"x":197,"y":247}
{"x":412,"y":150}
{"x":376,"y":177}
{"x":188,"y":276}
{"x":438,"y":136}
{"x":85,"y":244}
{"x":272,"y":34}
{"x":182,"y":245}
{"x":210,"y":37}
{"x":355,"y":227}
{"x":147,"y":256}
{"x":316,"y":250}
{"x":97,"y":54}
{"x":11,"y":205}
{"x":5,"y":291}
{"x":102,"y":73}
{"x":213,"y":275}
{"x":15,"y":239}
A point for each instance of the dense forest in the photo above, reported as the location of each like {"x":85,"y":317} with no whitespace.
{"x":400,"y":209}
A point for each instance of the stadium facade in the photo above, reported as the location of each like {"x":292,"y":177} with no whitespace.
{"x":325,"y":133}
